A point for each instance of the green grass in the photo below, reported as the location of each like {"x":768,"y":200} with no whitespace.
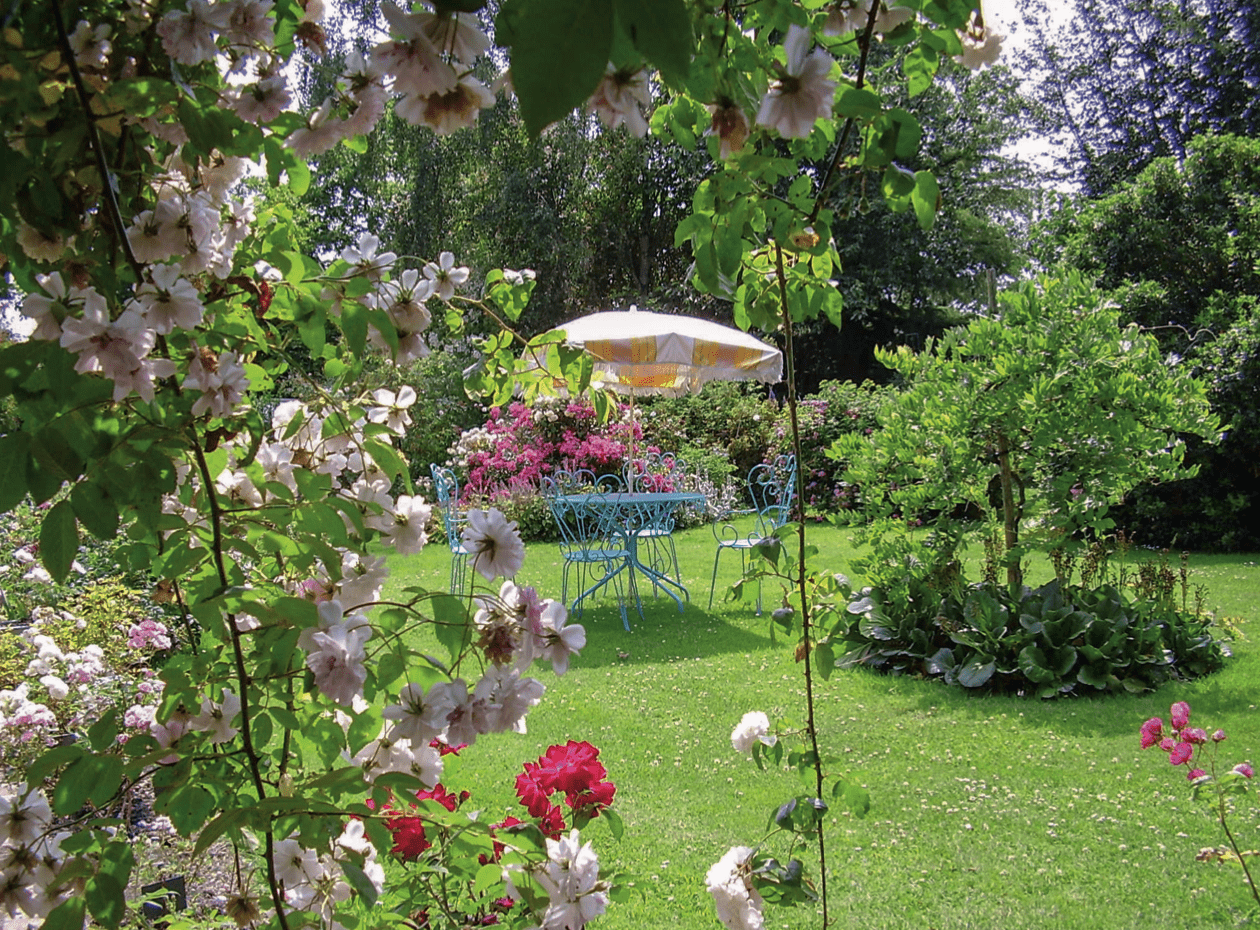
{"x":987,"y":812}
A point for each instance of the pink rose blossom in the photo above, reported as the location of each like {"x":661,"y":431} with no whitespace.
{"x":1167,"y":744}
{"x":1218,"y":736}
{"x":1180,"y":714}
{"x":1152,"y":732}
{"x":1244,"y":769}
{"x":1195,"y":773}
{"x":1194,"y":735}
{"x":1181,"y":754}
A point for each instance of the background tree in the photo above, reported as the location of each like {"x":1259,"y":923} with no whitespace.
{"x":1178,"y":248}
{"x":1136,"y":80}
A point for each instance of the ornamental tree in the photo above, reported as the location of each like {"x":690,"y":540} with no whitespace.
{"x":1040,"y":418}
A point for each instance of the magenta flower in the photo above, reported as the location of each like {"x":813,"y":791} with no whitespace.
{"x":1244,"y":769}
{"x":1152,"y":732}
{"x":1194,"y":735}
{"x":1167,"y":744}
{"x":1181,"y":754}
{"x":1218,"y":736}
{"x":1195,"y":773}
{"x":1180,"y":713}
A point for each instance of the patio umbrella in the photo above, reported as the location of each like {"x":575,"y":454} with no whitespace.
{"x":641,"y":352}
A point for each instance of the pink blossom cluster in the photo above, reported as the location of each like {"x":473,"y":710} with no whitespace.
{"x":148,"y":634}
{"x":519,"y":445}
{"x":1184,"y":742}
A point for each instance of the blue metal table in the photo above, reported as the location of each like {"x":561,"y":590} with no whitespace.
{"x":628,"y":515}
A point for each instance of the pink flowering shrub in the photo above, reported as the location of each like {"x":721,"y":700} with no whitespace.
{"x":520,"y":444}
{"x":1220,"y":789}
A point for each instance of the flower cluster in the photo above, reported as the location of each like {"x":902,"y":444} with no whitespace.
{"x":573,"y":769}
{"x":1184,"y":741}
{"x":519,"y":445}
{"x":31,"y":858}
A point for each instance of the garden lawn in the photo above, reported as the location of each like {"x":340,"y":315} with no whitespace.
{"x":987,"y":812}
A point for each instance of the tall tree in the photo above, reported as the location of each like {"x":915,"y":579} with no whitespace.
{"x":1134,"y":80}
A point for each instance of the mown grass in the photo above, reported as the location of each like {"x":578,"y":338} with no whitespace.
{"x":987,"y":812}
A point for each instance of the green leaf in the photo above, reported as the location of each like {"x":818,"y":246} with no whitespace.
{"x":450,"y":618}
{"x":976,"y":672}
{"x":141,"y":97}
{"x":104,"y":732}
{"x":926,"y":198}
{"x":67,"y":916}
{"x":389,"y":459}
{"x":216,"y":828}
{"x":94,"y":778}
{"x":897,"y":182}
{"x":360,"y":882}
{"x":354,"y":325}
{"x":825,"y":660}
{"x":614,"y":822}
{"x":661,"y":30}
{"x":858,"y":103}
{"x":95,"y":510}
{"x":104,"y":897}
{"x":14,"y":453}
{"x":920,"y":66}
{"x":58,"y":540}
{"x":559,"y":52}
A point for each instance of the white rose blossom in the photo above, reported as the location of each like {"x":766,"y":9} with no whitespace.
{"x":730,"y":882}
{"x":754,"y":727}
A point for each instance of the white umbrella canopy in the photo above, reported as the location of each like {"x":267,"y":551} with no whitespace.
{"x":641,"y":352}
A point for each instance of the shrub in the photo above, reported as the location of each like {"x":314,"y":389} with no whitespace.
{"x":1061,"y":638}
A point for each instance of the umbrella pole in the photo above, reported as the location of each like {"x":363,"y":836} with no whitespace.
{"x":633,"y":468}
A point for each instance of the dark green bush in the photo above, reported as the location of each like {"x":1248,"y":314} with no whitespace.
{"x":1052,"y":640}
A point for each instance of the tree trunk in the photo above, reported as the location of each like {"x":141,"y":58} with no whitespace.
{"x":1010,"y":516}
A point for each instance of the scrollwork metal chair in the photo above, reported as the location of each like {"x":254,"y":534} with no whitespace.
{"x":589,"y":539}
{"x":772,"y":489}
{"x":658,"y":472}
{"x":446,"y":485}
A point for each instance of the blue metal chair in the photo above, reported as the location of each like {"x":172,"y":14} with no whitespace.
{"x":772,"y":488}
{"x":658,"y":472}
{"x":589,"y":538}
{"x":453,"y":520}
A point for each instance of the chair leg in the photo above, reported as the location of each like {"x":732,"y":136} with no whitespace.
{"x":713,"y":582}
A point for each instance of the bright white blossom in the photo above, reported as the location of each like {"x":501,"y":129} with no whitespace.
{"x":217,"y":717}
{"x":570,"y":878}
{"x":364,"y":259}
{"x":803,"y":94}
{"x":445,"y":276}
{"x":188,"y":35}
{"x":559,"y":640}
{"x":338,"y":662}
{"x":754,"y":727}
{"x":494,"y":544}
{"x":730,"y":882}
{"x":392,"y":409}
{"x":981,"y":46}
{"x":168,"y":300}
{"x":419,"y":717}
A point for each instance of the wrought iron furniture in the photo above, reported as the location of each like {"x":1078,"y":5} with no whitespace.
{"x":772,"y":490}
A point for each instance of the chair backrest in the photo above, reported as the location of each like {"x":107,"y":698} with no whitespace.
{"x":585,"y":523}
{"x":655,"y":471}
{"x":446,"y":484}
{"x":581,"y":480}
{"x":772,"y":486}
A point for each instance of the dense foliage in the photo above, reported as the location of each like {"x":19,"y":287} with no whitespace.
{"x":1038,"y":421}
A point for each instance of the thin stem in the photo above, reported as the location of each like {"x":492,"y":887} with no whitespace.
{"x":864,"y":43}
{"x":94,"y":139}
{"x":242,"y":676}
{"x":811,"y":728}
{"x":1242,"y":859}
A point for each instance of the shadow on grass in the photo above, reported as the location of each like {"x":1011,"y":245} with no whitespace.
{"x":665,"y":635}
